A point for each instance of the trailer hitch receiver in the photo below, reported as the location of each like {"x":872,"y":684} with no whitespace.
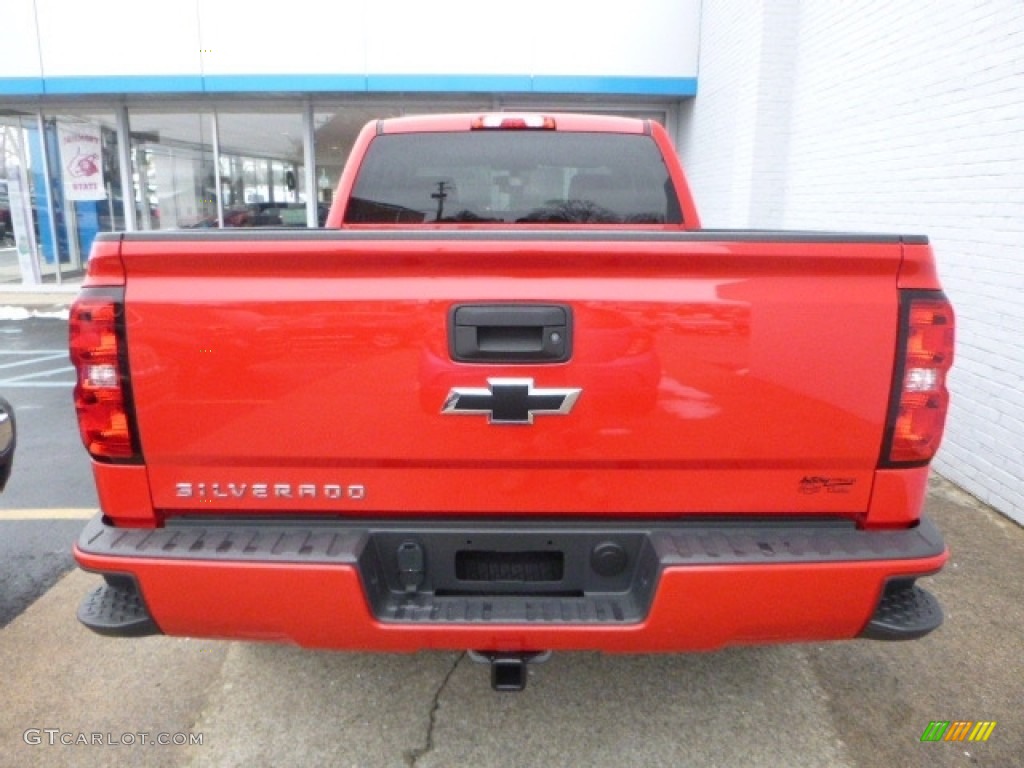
{"x":509,"y":669}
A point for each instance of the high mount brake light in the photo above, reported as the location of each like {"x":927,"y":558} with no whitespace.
{"x":917,"y":410}
{"x":102,"y":395}
{"x":513,"y":122}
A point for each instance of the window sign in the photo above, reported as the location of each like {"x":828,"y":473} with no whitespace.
{"x":81,"y":160}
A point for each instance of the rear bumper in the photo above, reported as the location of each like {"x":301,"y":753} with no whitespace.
{"x":512,"y":586}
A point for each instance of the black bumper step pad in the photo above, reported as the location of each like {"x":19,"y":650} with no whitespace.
{"x":905,"y":612}
{"x":116,"y":609}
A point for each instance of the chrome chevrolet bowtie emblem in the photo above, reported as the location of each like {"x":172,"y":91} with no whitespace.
{"x":510,"y":401}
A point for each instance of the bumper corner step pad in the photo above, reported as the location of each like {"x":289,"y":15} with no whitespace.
{"x":905,"y":612}
{"x":116,"y":609}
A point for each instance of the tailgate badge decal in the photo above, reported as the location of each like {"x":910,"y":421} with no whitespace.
{"x":510,"y":401}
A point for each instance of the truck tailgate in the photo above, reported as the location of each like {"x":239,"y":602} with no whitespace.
{"x":308,"y":374}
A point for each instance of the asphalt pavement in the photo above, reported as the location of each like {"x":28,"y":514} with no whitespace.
{"x":74,"y":698}
{"x":51,"y":478}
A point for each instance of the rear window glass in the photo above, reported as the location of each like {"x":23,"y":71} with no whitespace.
{"x":513,"y":177}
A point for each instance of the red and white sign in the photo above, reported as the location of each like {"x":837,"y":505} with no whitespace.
{"x":81,"y":161}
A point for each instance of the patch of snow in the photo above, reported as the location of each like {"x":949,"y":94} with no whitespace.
{"x":22,"y":313}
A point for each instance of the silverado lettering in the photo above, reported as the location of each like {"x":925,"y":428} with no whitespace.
{"x":268,"y":490}
{"x":587,"y":422}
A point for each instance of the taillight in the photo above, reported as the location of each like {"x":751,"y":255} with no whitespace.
{"x":102,"y":395}
{"x":917,"y":410}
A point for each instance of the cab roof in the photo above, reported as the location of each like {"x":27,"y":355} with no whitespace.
{"x":494,"y":121}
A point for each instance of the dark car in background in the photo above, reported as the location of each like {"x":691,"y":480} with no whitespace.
{"x":8,"y":439}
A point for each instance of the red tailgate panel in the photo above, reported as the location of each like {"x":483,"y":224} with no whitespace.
{"x":310,"y":376}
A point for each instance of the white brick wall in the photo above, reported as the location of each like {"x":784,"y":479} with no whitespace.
{"x":892,"y":115}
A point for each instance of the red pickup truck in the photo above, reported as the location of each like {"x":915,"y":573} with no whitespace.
{"x":512,"y":399}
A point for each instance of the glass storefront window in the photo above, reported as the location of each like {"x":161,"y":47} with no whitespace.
{"x":60,"y":186}
{"x":85,"y":181}
{"x":173,"y":171}
{"x":262,"y":177}
{"x":19,"y":251}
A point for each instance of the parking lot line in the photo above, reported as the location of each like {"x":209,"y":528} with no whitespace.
{"x":27,"y":376}
{"x":31,"y":360}
{"x":34,"y":352}
{"x":44,"y":359}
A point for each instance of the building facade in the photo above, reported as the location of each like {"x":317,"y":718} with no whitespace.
{"x":888,"y":115}
{"x":216,"y":115}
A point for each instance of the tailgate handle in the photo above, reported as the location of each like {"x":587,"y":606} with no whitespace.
{"x":510,"y":333}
